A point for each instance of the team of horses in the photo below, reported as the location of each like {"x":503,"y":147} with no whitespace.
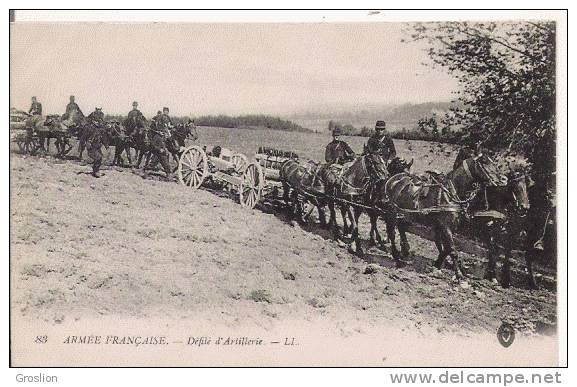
{"x":479,"y":194}
{"x":133,"y":134}
{"x":487,"y":197}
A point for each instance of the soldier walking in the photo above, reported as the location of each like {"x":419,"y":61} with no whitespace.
{"x":96,"y":138}
{"x":160,"y":132}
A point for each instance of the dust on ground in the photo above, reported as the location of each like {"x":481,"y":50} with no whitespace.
{"x":127,"y":247}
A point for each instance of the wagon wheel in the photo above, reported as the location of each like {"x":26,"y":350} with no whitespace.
{"x":192,"y":167}
{"x":239,"y":162}
{"x":251,"y":185}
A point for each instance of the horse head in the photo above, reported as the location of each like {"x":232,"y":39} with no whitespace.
{"x":191,"y":131}
{"x":516,"y":168}
{"x":482,"y":169}
{"x":399,"y":165}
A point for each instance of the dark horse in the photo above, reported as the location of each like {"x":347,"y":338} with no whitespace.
{"x":53,"y":128}
{"x":136,"y":128}
{"x":499,"y":212}
{"x":306,"y":180}
{"x":121,"y":140}
{"x":438,"y":201}
{"x":178,"y":136}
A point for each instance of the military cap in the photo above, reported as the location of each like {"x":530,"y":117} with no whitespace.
{"x":380,"y":125}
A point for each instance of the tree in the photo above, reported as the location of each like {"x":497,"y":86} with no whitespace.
{"x":507,"y":74}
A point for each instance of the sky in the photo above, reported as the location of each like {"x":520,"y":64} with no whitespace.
{"x":219,"y":68}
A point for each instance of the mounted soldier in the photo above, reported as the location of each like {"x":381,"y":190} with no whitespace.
{"x":380,"y":149}
{"x":35,"y":108}
{"x":381,"y":142}
{"x":35,"y":118}
{"x":338,"y":151}
{"x":135,"y":114}
{"x":73,"y":114}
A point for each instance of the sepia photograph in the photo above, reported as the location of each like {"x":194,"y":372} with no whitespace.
{"x":269,"y":189}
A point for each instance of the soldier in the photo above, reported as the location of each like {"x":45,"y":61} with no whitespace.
{"x":338,"y":151}
{"x":135,"y":114}
{"x":381,"y":143}
{"x":72,"y":109}
{"x":160,"y":134}
{"x":35,"y":112}
{"x":35,"y":108}
{"x":95,"y":138}
{"x":97,"y":116}
{"x":98,"y":137}
{"x":157,"y":116}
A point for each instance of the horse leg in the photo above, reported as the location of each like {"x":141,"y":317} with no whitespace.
{"x":391,"y":223}
{"x":441,"y":257}
{"x":405,"y":247}
{"x":354,"y":214}
{"x":377,"y":240}
{"x":127,"y":149}
{"x":449,"y":243}
{"x":322,"y":216}
{"x":490,"y":273}
{"x":530,"y":258}
{"x":333,"y":221}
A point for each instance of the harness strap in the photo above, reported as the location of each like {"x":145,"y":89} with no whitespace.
{"x":467,"y":170}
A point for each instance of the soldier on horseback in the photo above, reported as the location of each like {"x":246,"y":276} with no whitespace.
{"x":135,"y":114}
{"x":72,"y":110}
{"x":35,"y":108}
{"x":380,"y":149}
{"x":380,"y":142}
{"x":338,"y":151}
{"x":35,"y":112}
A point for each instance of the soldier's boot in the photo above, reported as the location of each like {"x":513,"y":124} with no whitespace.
{"x":96,"y":168}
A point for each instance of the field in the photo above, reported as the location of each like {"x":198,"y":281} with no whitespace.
{"x":124,"y":248}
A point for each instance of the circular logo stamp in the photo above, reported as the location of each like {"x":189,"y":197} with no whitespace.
{"x":506,"y":334}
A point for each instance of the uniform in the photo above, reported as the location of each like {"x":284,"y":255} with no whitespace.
{"x":72,"y":108}
{"x":35,"y":109}
{"x":338,"y":152}
{"x":380,"y":149}
{"x":159,"y":135}
{"x":382,"y":144}
{"x":135,"y":114}
{"x":95,"y":139}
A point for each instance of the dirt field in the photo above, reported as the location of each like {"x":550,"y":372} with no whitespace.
{"x":126,"y":247}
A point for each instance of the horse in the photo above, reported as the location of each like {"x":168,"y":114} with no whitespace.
{"x":121,"y":140}
{"x":436,"y":200}
{"x":304,"y":179}
{"x":373,"y":196}
{"x":177,"y":140}
{"x":350,"y":189}
{"x":57,"y":130}
{"x":499,"y":212}
{"x":137,"y":129}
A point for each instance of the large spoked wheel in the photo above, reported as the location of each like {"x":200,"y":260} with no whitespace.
{"x":251,"y":185}
{"x":192,"y":167}
{"x":239,"y":162}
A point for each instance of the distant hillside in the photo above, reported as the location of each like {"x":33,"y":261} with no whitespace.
{"x":397,"y":116}
{"x":250,"y":121}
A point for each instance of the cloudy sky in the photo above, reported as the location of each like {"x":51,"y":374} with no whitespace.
{"x":219,"y":68}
